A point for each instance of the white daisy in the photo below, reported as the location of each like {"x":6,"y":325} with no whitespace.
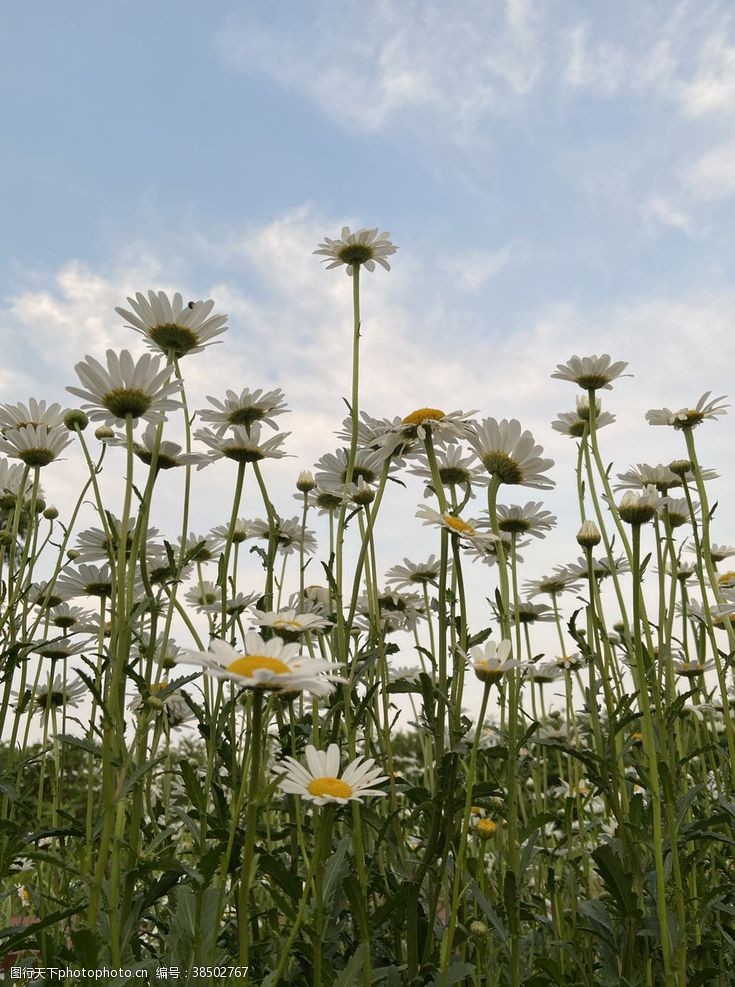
{"x":290,"y":622}
{"x":170,"y":326}
{"x":245,"y":408}
{"x":166,"y":701}
{"x":467,"y":531}
{"x":639,"y":507}
{"x":414,"y":573}
{"x":591,"y":372}
{"x":600,"y":567}
{"x":15,"y":416}
{"x":60,"y":648}
{"x":95,"y":545}
{"x":200,"y":548}
{"x":170,"y":454}
{"x":43,"y":595}
{"x":718,"y":553}
{"x":236,"y":604}
{"x":270,"y":665}
{"x":559,"y":582}
{"x":361,"y":248}
{"x":321,"y":781}
{"x":573,"y":423}
{"x":35,"y":445}
{"x":241,"y":445}
{"x":11,"y":478}
{"x":490,"y":661}
{"x":332,"y":469}
{"x":510,"y":453}
{"x":453,"y":468}
{"x":544,"y":673}
{"x":529,"y":613}
{"x":56,"y":693}
{"x":691,"y":669}
{"x":239,"y":531}
{"x":88,"y":580}
{"x":688,"y":417}
{"x":529,"y":519}
{"x":140,"y":389}
{"x":288,"y":535}
{"x":66,"y":617}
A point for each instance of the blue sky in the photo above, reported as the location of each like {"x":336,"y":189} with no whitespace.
{"x":559,"y":176}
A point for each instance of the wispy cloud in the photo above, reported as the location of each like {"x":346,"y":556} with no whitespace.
{"x":373,"y":62}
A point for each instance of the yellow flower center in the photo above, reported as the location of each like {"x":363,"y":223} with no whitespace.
{"x":485,"y":828}
{"x":287,"y":624}
{"x":726,"y":578}
{"x":248,"y":665}
{"x":330,"y":786}
{"x":422,"y":415}
{"x":458,"y":525}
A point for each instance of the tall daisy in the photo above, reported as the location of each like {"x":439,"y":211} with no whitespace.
{"x":322,"y":782}
{"x":270,"y":665}
{"x":591,"y":372}
{"x":170,"y":326}
{"x":245,"y":408}
{"x":139,"y":389}
{"x":511,"y":454}
{"x":688,"y":417}
{"x":363,"y":248}
{"x":35,"y":445}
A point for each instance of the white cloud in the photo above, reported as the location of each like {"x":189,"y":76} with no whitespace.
{"x":712,"y":176}
{"x":372,"y":62}
{"x":599,"y":65}
{"x":712,"y":89}
{"x":664,"y":211}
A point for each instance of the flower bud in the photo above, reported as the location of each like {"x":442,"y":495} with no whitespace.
{"x":71,"y":555}
{"x":680,"y":467}
{"x":51,"y":513}
{"x":589,"y":535}
{"x":40,"y":505}
{"x":76,"y":420}
{"x":478,"y":929}
{"x":6,"y":538}
{"x":306,"y":481}
{"x":638,"y":508}
{"x":104,"y":432}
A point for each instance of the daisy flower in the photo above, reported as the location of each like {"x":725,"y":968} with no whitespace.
{"x":321,"y":781}
{"x":170,"y":326}
{"x":239,"y":533}
{"x":639,"y":507}
{"x":56,"y":693}
{"x":236,"y":604}
{"x":490,"y":661}
{"x":15,"y":416}
{"x":441,"y":425}
{"x":468,"y":531}
{"x":170,"y":454}
{"x":529,"y":519}
{"x":573,"y":424}
{"x":140,"y":389}
{"x":591,"y":372}
{"x":270,"y":665}
{"x":361,"y":248}
{"x":200,"y":548}
{"x":11,"y":478}
{"x":718,"y":553}
{"x":677,"y":510}
{"x":560,"y":581}
{"x":688,"y":417}
{"x":332,"y":469}
{"x":35,"y":445}
{"x":66,"y":617}
{"x":453,"y":468}
{"x":545,"y":673}
{"x":510,"y":454}
{"x":691,"y":669}
{"x":57,"y":649}
{"x":165,"y":700}
{"x":87,"y":580}
{"x":529,"y":613}
{"x":288,"y":535}
{"x":241,"y":445}
{"x":290,"y":621}
{"x":601,"y":568}
{"x":413,"y":573}
{"x":245,"y":408}
{"x":44,"y":595}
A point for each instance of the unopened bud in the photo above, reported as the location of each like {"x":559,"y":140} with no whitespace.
{"x":104,"y":432}
{"x":76,"y":420}
{"x":589,"y":535}
{"x":680,"y":467}
{"x":51,"y":513}
{"x":306,"y":481}
{"x":638,"y":508}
